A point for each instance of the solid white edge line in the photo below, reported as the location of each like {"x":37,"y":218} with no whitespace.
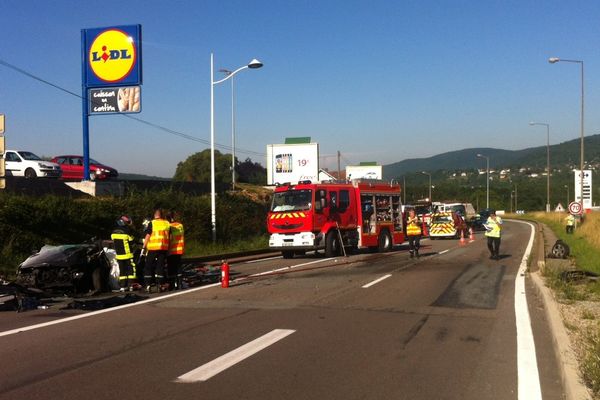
{"x":443,"y":251}
{"x":93,"y":313}
{"x":527,"y":370}
{"x":376,"y":281}
{"x":262,"y":259}
{"x":228,"y":360}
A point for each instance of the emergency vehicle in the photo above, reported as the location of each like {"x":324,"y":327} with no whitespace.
{"x":326,"y":216}
{"x":446,"y":224}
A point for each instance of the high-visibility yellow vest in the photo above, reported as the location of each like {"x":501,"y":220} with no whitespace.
{"x":176,"y":242}
{"x":159,"y":239}
{"x":493,"y":228}
{"x":570,"y":220}
{"x":122,"y":248}
{"x":413,"y":228}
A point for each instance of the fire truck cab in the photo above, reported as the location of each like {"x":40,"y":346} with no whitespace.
{"x":328,"y":216}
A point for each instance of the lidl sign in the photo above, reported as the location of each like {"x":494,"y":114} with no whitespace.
{"x":113,"y":56}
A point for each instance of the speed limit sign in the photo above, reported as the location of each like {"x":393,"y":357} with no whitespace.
{"x":575,"y":208}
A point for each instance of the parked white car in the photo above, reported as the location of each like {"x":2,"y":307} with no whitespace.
{"x":27,"y":164}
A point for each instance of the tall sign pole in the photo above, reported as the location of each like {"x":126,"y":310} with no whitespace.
{"x":111,"y":75}
{"x":2,"y":149}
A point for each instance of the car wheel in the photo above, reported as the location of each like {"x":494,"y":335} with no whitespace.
{"x":30,"y":173}
{"x":332,"y":244}
{"x":384,"y":242}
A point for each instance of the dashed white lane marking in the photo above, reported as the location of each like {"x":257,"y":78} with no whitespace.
{"x":291,"y":267}
{"x":262,"y":259}
{"x":107,"y":310}
{"x":376,"y":281}
{"x":443,"y":251}
{"x":527,"y":375}
{"x":228,"y":360}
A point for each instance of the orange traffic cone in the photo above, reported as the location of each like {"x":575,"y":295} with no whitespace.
{"x":471,"y":234}
{"x":462,"y":236}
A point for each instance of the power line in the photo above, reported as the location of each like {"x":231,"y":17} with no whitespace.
{"x":140,"y":120}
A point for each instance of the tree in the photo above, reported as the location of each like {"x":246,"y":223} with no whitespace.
{"x":196,"y":168}
{"x":251,"y":172}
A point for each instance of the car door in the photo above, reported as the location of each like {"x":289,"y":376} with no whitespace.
{"x":13,"y":164}
{"x":76,"y":167}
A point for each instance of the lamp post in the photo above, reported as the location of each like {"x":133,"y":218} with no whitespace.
{"x":554,"y":60}
{"x":547,"y":162}
{"x":227,"y":73}
{"x":427,"y":173}
{"x":567,"y":187}
{"x":487,"y":179}
{"x":213,"y":209}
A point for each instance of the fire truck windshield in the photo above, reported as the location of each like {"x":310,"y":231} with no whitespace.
{"x":292,"y":200}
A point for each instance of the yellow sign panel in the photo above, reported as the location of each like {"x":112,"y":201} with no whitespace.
{"x":2,"y":145}
{"x":1,"y":123}
{"x":112,"y":55}
{"x":2,"y":183}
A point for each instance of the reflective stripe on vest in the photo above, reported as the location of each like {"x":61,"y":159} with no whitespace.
{"x":122,"y":248}
{"x":159,"y":239}
{"x":176,"y":241}
{"x":494,"y":227}
{"x":413,"y":229}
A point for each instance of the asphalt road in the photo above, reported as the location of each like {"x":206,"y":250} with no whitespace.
{"x":370,"y":326}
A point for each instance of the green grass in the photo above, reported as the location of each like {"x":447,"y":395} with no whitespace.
{"x":591,"y":363}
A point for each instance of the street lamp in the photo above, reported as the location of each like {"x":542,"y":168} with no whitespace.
{"x":227,"y":73}
{"x":567,"y":187}
{"x":427,"y":173}
{"x":554,"y":60}
{"x":213,"y":209}
{"x":547,"y":162}
{"x":487,"y":179}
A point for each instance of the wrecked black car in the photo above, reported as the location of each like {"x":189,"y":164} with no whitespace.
{"x":68,"y":269}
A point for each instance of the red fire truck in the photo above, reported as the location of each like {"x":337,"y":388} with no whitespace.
{"x":326,"y":216}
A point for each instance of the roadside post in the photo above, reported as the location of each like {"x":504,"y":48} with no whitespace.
{"x":111,"y":75}
{"x":2,"y":149}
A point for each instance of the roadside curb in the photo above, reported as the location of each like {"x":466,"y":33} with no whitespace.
{"x":568,"y":364}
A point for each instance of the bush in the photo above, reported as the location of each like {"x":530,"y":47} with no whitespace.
{"x":27,"y":223}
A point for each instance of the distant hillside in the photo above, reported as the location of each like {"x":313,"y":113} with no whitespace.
{"x":140,"y":177}
{"x":563,"y":154}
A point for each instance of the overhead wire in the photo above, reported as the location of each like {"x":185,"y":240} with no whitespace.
{"x":140,"y":120}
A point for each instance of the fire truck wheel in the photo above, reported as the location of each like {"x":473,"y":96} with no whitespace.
{"x":332,"y":244}
{"x":385,"y":242}
{"x":287,"y":254}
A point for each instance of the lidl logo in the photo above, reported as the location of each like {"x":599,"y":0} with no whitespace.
{"x":112,"y":55}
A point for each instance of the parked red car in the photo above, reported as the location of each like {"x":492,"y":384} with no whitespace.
{"x":72,"y":168}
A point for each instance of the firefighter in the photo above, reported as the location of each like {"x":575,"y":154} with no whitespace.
{"x":570,"y":221}
{"x":122,"y":237}
{"x":156,"y":244}
{"x":493,"y":229}
{"x":176,"y":248}
{"x":413,"y":232}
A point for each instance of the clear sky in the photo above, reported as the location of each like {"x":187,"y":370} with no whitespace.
{"x":377,"y":80}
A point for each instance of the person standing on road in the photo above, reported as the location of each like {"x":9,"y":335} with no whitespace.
{"x":413,"y":232}
{"x":156,"y":243}
{"x":493,"y":229}
{"x":122,"y":237}
{"x":176,"y":249}
{"x":570,"y":220}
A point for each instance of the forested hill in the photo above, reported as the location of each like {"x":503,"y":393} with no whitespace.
{"x":563,"y":154}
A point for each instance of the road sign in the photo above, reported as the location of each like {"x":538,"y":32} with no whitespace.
{"x":575,"y":208}
{"x":587,"y":187}
{"x":1,"y":123}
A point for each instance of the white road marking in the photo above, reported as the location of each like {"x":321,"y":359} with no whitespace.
{"x":291,"y":267}
{"x":376,"y":281}
{"x":228,"y":360}
{"x":527,"y":369}
{"x":107,"y":310}
{"x":262,"y":259}
{"x":443,"y":251}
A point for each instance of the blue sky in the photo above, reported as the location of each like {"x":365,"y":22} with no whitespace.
{"x":377,"y":80}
